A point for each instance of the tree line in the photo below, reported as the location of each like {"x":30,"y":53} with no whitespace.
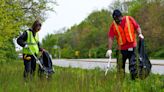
{"x":89,"y":38}
{"x":85,"y":40}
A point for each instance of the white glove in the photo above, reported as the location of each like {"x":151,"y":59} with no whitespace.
{"x":26,"y":46}
{"x":109,"y":53}
{"x":141,"y":36}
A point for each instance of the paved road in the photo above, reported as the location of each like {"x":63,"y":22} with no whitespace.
{"x":158,"y":65}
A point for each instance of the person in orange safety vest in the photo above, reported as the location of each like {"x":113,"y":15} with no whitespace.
{"x":125,"y":29}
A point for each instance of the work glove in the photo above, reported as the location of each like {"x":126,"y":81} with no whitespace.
{"x":27,"y":57}
{"x":26,"y":46}
{"x":141,"y":36}
{"x":109,"y":53}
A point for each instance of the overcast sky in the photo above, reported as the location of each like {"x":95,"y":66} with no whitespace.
{"x":70,"y":12}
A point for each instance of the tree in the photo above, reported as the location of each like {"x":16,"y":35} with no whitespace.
{"x":89,"y":34}
{"x":16,"y":16}
{"x":149,"y":14}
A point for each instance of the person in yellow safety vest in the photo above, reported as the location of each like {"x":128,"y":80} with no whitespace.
{"x":124,"y":28}
{"x":30,"y":40}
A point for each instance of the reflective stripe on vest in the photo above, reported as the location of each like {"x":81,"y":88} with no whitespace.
{"x":119,"y":35}
{"x":129,"y":30}
{"x":126,"y":35}
{"x":32,"y":43}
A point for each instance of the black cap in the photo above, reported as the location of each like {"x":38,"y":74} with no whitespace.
{"x":116,"y":13}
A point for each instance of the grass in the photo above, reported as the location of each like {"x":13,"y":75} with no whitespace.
{"x":74,"y":80}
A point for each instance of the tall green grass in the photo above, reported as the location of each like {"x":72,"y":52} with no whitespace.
{"x":74,"y":80}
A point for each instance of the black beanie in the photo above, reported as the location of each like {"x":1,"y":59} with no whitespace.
{"x":116,"y":13}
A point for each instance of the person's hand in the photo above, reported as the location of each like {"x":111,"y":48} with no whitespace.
{"x":109,"y":53}
{"x":42,"y":50}
{"x":27,"y":57}
{"x":26,"y":46}
{"x":141,"y":36}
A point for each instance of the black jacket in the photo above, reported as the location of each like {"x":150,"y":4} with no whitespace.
{"x":21,"y":40}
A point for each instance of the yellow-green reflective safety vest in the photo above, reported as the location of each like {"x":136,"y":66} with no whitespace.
{"x":32,"y":44}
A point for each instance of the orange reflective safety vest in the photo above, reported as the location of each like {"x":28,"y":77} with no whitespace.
{"x":126,"y":35}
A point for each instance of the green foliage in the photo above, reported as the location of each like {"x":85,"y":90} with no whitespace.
{"x":150,"y":14}
{"x":9,"y":27}
{"x":88,"y":35}
{"x":67,"y":52}
{"x":16,"y":15}
{"x":74,"y":80}
{"x":135,"y":6}
{"x":49,"y":45}
{"x":159,"y":53}
{"x":101,"y":51}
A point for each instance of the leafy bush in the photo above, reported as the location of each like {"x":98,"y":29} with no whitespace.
{"x":159,"y":53}
{"x":67,"y":53}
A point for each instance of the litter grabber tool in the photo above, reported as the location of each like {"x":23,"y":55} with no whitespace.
{"x":37,"y":60}
{"x":108,"y":65}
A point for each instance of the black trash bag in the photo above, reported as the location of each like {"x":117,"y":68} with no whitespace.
{"x":46,"y":62}
{"x":144,"y":62}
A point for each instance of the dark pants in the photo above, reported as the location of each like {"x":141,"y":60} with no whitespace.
{"x":29,"y":67}
{"x":126,"y":54}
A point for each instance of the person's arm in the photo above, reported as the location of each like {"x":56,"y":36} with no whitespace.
{"x":140,"y":35}
{"x":21,"y":39}
{"x":110,"y":37}
{"x":139,"y":30}
{"x":110,"y":43}
{"x":109,"y":51}
{"x":137,"y":27}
